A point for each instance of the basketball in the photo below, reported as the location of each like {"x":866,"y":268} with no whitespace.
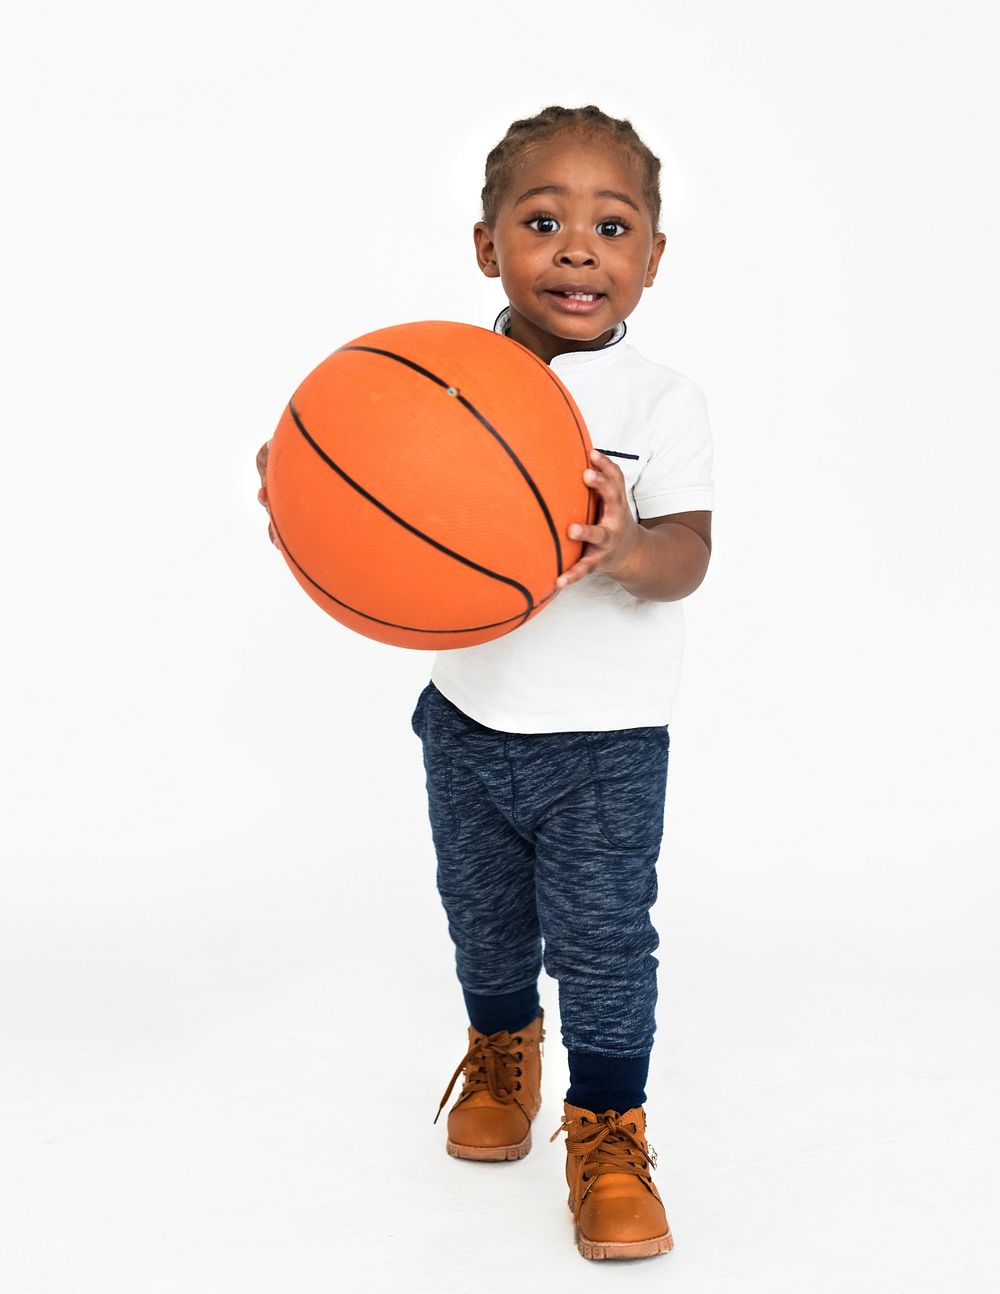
{"x":421,"y":481}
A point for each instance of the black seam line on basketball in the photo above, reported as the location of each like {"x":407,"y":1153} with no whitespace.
{"x":617,"y":453}
{"x":459,"y":557}
{"x":391,"y":624}
{"x":591,"y":496}
{"x":447,"y":386}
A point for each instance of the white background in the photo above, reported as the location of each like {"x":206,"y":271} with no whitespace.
{"x":228,"y":999}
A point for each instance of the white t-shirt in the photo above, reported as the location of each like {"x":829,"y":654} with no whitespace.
{"x":597,"y":658}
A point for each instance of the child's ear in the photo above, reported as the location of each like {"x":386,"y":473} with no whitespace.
{"x":659,"y":242}
{"x":486,"y":252}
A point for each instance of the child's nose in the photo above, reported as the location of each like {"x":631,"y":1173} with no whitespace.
{"x":577,"y":254}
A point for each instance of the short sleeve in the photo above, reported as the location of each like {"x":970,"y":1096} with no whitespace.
{"x":678,"y":475}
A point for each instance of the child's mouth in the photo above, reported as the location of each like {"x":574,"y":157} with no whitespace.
{"x":578,"y":302}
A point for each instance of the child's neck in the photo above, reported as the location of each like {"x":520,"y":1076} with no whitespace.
{"x":547,"y":344}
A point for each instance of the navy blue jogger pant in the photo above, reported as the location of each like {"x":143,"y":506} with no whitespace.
{"x":546,"y":849}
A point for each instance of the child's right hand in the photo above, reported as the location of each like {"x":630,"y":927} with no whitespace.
{"x":262,"y":454}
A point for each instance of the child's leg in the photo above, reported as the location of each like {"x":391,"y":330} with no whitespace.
{"x":485,"y":866}
{"x":599,"y":824}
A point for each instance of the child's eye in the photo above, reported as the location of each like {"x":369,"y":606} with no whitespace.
{"x":604,"y":225}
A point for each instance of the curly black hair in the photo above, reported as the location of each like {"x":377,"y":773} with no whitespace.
{"x":588,"y":121}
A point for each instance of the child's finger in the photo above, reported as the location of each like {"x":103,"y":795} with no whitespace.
{"x":605,"y":483}
{"x":577,"y":572}
{"x":262,"y":457}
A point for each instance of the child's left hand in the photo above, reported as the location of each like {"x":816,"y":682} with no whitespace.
{"x":610,"y":544}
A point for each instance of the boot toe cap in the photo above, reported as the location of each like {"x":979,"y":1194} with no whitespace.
{"x":622,"y":1214}
{"x":502,"y":1125}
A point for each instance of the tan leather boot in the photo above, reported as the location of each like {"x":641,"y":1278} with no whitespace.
{"x":616,"y":1208}
{"x":500,"y":1096}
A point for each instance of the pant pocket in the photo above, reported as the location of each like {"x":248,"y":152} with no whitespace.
{"x":629,"y":768}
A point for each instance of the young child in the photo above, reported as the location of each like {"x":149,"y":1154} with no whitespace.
{"x":546,"y":750}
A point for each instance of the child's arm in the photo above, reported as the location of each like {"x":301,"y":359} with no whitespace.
{"x":671,"y":557}
{"x":661,"y":558}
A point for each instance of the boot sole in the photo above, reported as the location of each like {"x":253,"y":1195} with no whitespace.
{"x":496,"y":1153}
{"x":622,"y":1248}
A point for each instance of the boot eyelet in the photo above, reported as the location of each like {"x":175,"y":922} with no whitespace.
{"x":519,"y":1055}
{"x":517,"y":1087}
{"x":519,"y":1040}
{"x":517,"y":1073}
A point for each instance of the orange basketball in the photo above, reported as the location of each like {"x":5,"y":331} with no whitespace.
{"x":421,"y":482}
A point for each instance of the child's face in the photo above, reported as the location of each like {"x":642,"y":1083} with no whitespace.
{"x":571,"y":239}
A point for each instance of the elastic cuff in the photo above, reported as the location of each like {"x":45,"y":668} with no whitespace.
{"x":489,"y":1013}
{"x":600,"y":1083}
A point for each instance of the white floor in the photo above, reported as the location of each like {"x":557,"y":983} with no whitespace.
{"x":211,"y":1085}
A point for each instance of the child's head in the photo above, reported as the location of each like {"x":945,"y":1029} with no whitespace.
{"x":599,"y":214}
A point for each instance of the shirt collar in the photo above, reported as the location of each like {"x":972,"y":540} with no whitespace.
{"x":502,"y":325}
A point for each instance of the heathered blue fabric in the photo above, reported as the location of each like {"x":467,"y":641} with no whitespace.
{"x":546,"y":849}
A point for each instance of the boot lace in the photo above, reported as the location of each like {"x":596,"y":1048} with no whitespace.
{"x":493,"y":1066}
{"x":605,"y":1144}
